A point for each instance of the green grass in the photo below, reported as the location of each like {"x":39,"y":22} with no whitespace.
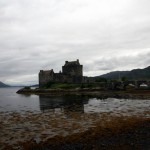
{"x":56,"y":85}
{"x":27,"y":87}
{"x":64,"y":86}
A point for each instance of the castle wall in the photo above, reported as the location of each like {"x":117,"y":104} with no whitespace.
{"x":77,"y":79}
{"x":45,"y":77}
{"x":73,"y":70}
{"x":63,"y":78}
{"x":59,"y":77}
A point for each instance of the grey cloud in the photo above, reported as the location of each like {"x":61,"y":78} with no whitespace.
{"x":119,"y":63}
{"x":105,"y":36}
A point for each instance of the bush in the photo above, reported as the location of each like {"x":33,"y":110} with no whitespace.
{"x":57,"y":85}
{"x":101,"y":80}
{"x":49,"y":84}
{"x":82,"y":86}
{"x":27,"y":87}
{"x":123,"y":79}
{"x":89,"y":85}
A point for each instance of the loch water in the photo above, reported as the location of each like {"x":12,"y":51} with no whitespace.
{"x":39,"y":118}
{"x":10,"y":101}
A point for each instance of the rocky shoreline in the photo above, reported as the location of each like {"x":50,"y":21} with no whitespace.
{"x":120,"y":133}
{"x":137,"y":136}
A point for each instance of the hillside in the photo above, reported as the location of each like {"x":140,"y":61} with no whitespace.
{"x":133,"y":74}
{"x":3,"y":85}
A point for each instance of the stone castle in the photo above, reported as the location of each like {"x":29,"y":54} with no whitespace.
{"x":72,"y":72}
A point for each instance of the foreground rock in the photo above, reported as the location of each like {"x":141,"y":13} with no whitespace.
{"x":74,"y":130}
{"x":135,"y":136}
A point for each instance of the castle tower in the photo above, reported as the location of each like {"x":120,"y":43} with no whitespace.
{"x":72,"y":68}
{"x":45,"y":76}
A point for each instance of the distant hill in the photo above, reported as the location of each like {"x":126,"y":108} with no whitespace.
{"x":3,"y":85}
{"x":133,"y":74}
{"x":36,"y":85}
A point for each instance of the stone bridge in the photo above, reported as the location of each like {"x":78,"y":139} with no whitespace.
{"x":137,"y":83}
{"x":123,"y":84}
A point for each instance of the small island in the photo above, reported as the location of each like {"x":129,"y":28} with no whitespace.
{"x":71,"y":81}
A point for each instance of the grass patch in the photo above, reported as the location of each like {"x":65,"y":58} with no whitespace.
{"x":27,"y":87}
{"x":56,"y":85}
{"x":64,"y":86}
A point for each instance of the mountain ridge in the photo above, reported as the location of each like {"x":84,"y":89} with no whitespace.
{"x":133,"y":74}
{"x":3,"y":85}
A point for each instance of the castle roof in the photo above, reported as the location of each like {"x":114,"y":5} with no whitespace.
{"x":47,"y":71}
{"x":72,"y":63}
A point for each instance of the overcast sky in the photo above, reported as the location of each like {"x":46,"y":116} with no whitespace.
{"x":105,"y":35}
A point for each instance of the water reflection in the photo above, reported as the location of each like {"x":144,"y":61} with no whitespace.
{"x":25,"y":95}
{"x":63,"y":103}
{"x":10,"y":101}
{"x":87,"y":104}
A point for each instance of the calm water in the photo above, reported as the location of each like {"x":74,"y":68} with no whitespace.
{"x":12,"y":102}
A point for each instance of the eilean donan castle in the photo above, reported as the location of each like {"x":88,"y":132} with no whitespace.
{"x":72,"y":72}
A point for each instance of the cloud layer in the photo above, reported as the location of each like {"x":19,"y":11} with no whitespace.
{"x":104,"y":35}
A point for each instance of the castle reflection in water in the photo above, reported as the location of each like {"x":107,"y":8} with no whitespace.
{"x":63,"y":104}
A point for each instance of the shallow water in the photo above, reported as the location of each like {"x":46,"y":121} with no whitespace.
{"x":10,"y":101}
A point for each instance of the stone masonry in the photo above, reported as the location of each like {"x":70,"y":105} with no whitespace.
{"x":72,"y":72}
